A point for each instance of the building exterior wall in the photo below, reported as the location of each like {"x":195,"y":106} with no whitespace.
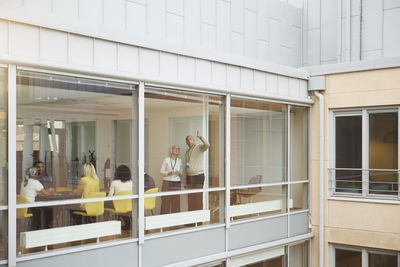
{"x":358,"y":222}
{"x":265,"y":31}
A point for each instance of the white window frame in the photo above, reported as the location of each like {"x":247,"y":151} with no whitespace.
{"x":364,"y":113}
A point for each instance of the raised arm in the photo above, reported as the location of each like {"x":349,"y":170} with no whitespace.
{"x":205,"y":144}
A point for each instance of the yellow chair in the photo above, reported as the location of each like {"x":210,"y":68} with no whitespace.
{"x":123,"y":208}
{"x":63,"y":189}
{"x":22,"y":213}
{"x":150,"y":202}
{"x":92,"y":209}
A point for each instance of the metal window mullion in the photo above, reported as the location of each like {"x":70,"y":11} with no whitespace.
{"x":12,"y":170}
{"x":364,"y":258}
{"x":288,"y":151}
{"x":332,"y":153}
{"x":140,"y":103}
{"x":227,"y":165}
{"x":365,"y":153}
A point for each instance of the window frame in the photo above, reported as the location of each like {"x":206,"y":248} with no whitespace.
{"x":364,"y":113}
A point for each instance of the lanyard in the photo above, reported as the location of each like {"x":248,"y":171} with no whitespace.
{"x":170,"y":162}
{"x":189,"y":153}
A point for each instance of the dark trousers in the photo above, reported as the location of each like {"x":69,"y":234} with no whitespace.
{"x":195,"y":201}
{"x":170,"y":204}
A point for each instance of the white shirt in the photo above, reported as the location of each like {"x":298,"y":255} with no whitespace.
{"x":171,"y":165}
{"x":31,"y":189}
{"x":118,"y":186}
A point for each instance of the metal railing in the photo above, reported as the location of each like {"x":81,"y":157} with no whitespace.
{"x":357,"y":182}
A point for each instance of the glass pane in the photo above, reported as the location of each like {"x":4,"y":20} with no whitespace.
{"x":383,"y":140}
{"x":184,"y":142}
{"x":64,"y":123}
{"x":275,"y":262}
{"x":347,"y":258}
{"x":381,"y":260}
{"x":258,"y":142}
{"x":348,"y":154}
{"x":299,"y":255}
{"x":299,"y":143}
{"x":3,"y":234}
{"x":179,"y":216}
{"x":74,"y":225}
{"x":258,"y":201}
{"x":3,"y":137}
{"x":298,"y":196}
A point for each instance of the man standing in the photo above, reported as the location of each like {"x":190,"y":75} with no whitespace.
{"x":194,"y":158}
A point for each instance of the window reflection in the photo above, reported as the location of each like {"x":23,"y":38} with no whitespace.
{"x":3,"y":138}
{"x":258,"y":141}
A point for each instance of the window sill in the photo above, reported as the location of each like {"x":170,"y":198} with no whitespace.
{"x":364,"y":199}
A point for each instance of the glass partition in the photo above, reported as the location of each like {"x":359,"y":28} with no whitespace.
{"x":258,"y":142}
{"x":3,"y":138}
{"x":3,"y":234}
{"x":299,"y":143}
{"x":298,"y":255}
{"x":298,"y":196}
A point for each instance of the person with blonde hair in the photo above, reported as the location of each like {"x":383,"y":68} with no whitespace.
{"x":171,"y":169}
{"x":89,"y":183}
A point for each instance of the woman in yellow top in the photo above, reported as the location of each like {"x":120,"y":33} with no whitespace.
{"x":88,"y":184}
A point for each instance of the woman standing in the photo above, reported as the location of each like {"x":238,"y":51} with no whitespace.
{"x":171,"y":170}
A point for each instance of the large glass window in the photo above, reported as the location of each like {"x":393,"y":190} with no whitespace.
{"x":258,"y":142}
{"x":347,"y":258}
{"x":76,"y":139}
{"x":298,"y":143}
{"x":184,"y":149}
{"x":383,"y":153}
{"x":276,"y":257}
{"x":3,"y":138}
{"x":377,"y":259}
{"x":348,"y":154}
{"x":298,"y":255}
{"x":354,"y":256}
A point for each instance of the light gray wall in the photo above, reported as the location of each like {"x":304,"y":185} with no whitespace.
{"x":373,"y":27}
{"x":257,"y":29}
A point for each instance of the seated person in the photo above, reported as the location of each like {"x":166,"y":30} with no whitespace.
{"x":41,"y":175}
{"x":87,"y":184}
{"x":148,"y":182}
{"x":30,"y":188}
{"x":122,"y":180}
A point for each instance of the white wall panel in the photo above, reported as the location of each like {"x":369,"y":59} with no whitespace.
{"x":64,"y":8}
{"x":250,"y":36}
{"x":192,"y":22}
{"x":4,"y":37}
{"x":218,"y":73}
{"x":283,"y":85}
{"x":313,"y":18}
{"x":237,"y":9}
{"x":53,"y":45}
{"x":42,"y":5}
{"x":272,"y":83}
{"x":80,"y":50}
{"x":391,"y":3}
{"x":223,"y":26}
{"x":259,"y":81}
{"x":251,"y":5}
{"x":237,"y":43}
{"x":303,"y":91}
{"x":174,"y":27}
{"x":114,"y":14}
{"x":247,"y":79}
{"x":313,"y":50}
{"x":286,"y":57}
{"x":143,"y":2}
{"x":168,"y":65}
{"x":275,"y":40}
{"x":91,"y":11}
{"x":373,"y":54}
{"x":262,"y":50}
{"x":328,"y":30}
{"x":128,"y":58}
{"x":136,"y":18}
{"x":262,"y":20}
{"x":372,"y":12}
{"x":294,"y":87}
{"x":15,"y":3}
{"x":175,"y":7}
{"x":149,"y":61}
{"x":391,"y":33}
{"x":203,"y":71}
{"x":208,"y":11}
{"x":105,"y":54}
{"x":233,"y":76}
{"x":276,"y":10}
{"x":355,"y":42}
{"x":156,"y":18}
{"x":186,"y":68}
{"x":208,"y":36}
{"x":24,"y":40}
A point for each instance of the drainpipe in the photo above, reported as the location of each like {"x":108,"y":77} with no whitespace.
{"x":317,"y":84}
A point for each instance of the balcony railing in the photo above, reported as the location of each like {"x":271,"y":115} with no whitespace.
{"x":374,"y":183}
